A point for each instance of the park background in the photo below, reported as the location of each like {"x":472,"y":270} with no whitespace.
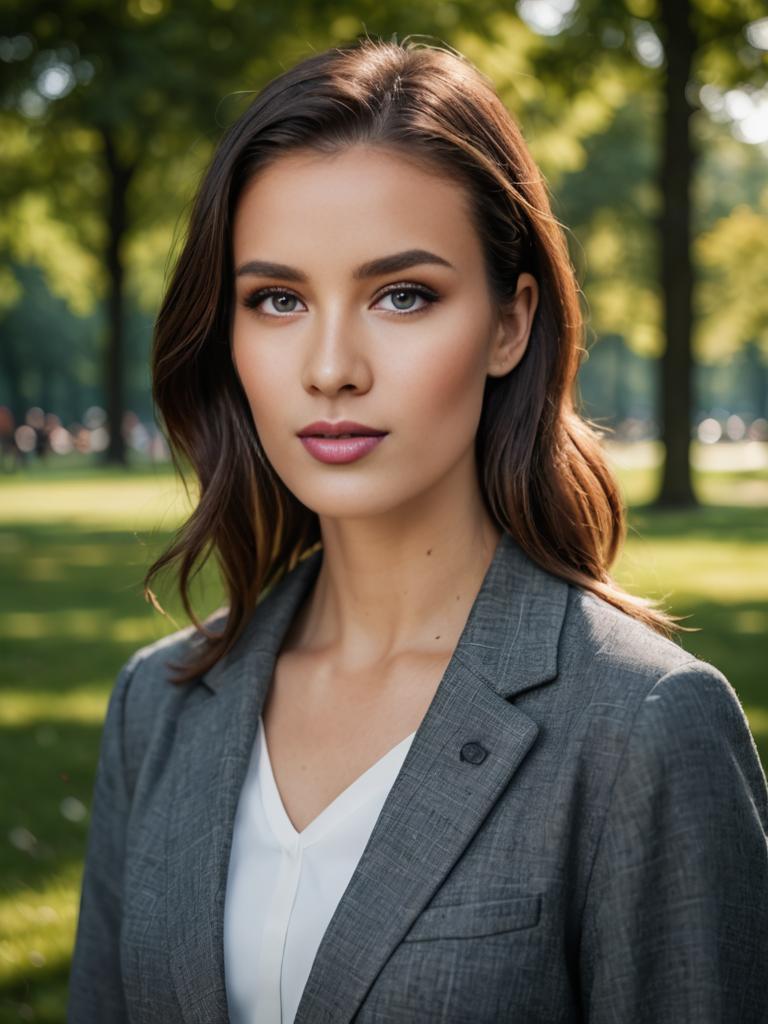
{"x":649,"y":119}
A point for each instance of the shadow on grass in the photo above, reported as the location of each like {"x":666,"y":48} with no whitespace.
{"x":73,"y":608}
{"x":743,"y":523}
{"x":39,"y":995}
{"x":45,"y":767}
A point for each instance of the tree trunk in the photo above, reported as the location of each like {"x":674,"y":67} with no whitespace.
{"x":756,"y":385}
{"x":119,"y":179}
{"x":9,"y":361}
{"x":676,"y":174}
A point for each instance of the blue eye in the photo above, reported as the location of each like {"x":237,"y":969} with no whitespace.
{"x":285,"y":301}
{"x":255,"y":299}
{"x":408,"y":292}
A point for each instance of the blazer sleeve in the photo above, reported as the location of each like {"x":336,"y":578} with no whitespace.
{"x":95,"y":982}
{"x":675,"y":924}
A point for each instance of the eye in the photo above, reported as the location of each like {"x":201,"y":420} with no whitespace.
{"x":284,"y":301}
{"x":404,"y":294}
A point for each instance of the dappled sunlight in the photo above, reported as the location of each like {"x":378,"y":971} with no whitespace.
{"x":10,"y":544}
{"x":749,"y":491}
{"x":93,"y":555}
{"x":143,"y":502}
{"x":44,"y":569}
{"x":751,"y":621}
{"x":735,"y":473}
{"x":758,"y":721}
{"x":140,"y":629}
{"x":84,"y":705}
{"x":660,"y":565}
{"x":83,"y":624}
{"x":37,"y":925}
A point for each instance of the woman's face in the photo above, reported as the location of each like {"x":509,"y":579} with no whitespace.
{"x":379,"y":312}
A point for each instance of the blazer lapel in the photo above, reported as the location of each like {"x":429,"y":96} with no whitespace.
{"x":438,"y":802}
{"x":215,"y":738}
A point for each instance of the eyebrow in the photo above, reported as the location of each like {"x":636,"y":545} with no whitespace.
{"x":374,"y":268}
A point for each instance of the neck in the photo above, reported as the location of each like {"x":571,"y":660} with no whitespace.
{"x":390,"y":588}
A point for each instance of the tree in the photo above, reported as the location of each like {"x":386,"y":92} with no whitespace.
{"x":677,"y":166}
{"x":101,"y":93}
{"x":675,"y":46}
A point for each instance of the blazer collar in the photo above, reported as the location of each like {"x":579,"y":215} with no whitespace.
{"x":508,"y":644}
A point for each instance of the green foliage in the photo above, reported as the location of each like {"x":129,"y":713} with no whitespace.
{"x":733,"y":294}
{"x":592,"y":112}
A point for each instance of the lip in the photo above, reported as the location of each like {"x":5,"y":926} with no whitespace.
{"x":341,"y":449}
{"x":340,"y":427}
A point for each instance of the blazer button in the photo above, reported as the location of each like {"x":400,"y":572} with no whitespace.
{"x":473,"y":752}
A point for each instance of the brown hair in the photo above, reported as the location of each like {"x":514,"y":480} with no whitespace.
{"x":542,"y":474}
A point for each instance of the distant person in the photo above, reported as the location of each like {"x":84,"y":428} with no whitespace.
{"x":445,"y":769}
{"x":35,"y":421}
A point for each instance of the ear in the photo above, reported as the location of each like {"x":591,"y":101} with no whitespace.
{"x":513,"y":327}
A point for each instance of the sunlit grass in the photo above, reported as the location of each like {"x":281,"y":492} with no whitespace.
{"x":35,"y":925}
{"x":136,"y":502}
{"x":74,"y":545}
{"x":84,"y":704}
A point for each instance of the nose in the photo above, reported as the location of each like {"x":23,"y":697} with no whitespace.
{"x":336,"y":359}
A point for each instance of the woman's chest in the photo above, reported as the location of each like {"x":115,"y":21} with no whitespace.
{"x":324,"y":729}
{"x":467,"y":893}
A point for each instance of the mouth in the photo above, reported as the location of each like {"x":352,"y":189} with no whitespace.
{"x":343,"y":430}
{"x":340,"y":437}
{"x":341,"y":448}
{"x":342,"y":441}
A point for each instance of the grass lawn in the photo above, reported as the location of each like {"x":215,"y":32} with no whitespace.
{"x":74,"y":543}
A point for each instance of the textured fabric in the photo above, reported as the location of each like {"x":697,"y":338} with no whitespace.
{"x":283,"y":886}
{"x":598,"y":853}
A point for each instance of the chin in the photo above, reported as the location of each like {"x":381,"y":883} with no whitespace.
{"x":352,"y":504}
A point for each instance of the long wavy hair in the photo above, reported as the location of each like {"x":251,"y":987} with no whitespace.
{"x":542,"y":473}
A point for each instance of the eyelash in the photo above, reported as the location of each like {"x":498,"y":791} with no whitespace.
{"x":255,"y":299}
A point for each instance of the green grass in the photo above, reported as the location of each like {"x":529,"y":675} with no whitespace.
{"x":74,"y":543}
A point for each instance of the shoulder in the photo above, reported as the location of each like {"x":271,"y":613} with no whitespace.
{"x":603,"y":635}
{"x":144,"y":683}
{"x":640,"y":706}
{"x":158,"y":657}
{"x":143,"y":687}
{"x":155,"y":660}
{"x":144,"y":703}
{"x":662,"y":689}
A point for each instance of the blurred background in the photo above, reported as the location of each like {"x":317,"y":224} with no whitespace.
{"x":650,"y":120}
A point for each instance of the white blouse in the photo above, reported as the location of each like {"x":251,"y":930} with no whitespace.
{"x":283,"y":886}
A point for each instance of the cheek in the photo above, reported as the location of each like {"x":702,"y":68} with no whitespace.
{"x":262,"y":379}
{"x":446,"y":380}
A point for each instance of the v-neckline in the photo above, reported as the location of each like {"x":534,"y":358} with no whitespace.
{"x":375,"y":778}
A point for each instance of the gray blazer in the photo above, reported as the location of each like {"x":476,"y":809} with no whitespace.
{"x":579,"y":832}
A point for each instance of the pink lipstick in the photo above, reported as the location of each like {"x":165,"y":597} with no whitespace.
{"x":344,"y":441}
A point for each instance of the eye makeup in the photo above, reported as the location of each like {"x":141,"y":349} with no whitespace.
{"x":254,"y":299}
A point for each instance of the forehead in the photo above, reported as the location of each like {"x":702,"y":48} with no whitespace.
{"x":363,"y":194}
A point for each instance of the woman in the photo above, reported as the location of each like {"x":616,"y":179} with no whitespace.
{"x":446,"y":769}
